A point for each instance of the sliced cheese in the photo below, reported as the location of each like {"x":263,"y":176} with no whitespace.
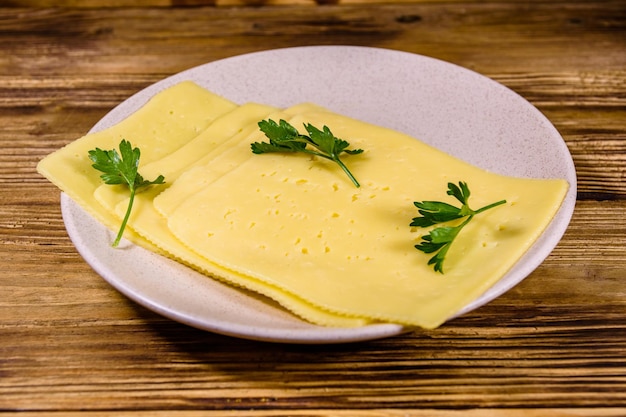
{"x":167,"y":121}
{"x":298,"y":223}
{"x":230,"y":154}
{"x":293,"y":227}
{"x":231,"y":135}
{"x":189,"y":154}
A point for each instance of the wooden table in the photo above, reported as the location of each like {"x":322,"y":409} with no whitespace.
{"x":555,"y":345}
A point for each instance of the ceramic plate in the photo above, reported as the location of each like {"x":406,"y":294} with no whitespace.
{"x":452,"y":108}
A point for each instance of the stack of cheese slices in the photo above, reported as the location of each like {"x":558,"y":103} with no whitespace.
{"x":294,"y":227}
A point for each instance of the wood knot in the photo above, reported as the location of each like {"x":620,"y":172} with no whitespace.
{"x":408,"y":18}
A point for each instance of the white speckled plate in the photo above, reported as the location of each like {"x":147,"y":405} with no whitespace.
{"x":452,"y":108}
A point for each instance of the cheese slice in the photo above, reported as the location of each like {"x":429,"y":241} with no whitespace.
{"x":231,"y":153}
{"x":297,"y":223}
{"x":167,"y":121}
{"x":191,"y":153}
{"x":229,"y":139}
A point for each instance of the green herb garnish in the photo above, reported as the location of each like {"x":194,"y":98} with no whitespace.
{"x":434,"y":212}
{"x":285,"y":138}
{"x":121,"y":170}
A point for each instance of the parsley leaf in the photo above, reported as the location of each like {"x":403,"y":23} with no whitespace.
{"x":283,"y":137}
{"x":121,"y":168}
{"x":440,"y":239}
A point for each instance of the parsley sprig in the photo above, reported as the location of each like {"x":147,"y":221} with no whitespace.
{"x":121,"y":168}
{"x":440,"y":239}
{"x":285,"y":138}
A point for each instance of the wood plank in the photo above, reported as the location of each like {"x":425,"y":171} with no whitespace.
{"x":386,"y":412}
{"x":99,"y":358}
{"x":491,"y":37}
{"x":213,"y":3}
{"x":464,"y":365}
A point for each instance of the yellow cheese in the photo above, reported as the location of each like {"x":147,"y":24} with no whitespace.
{"x":293,"y":227}
{"x":179,"y":128}
{"x":231,"y":153}
{"x":191,"y":153}
{"x":231,"y":135}
{"x":167,"y":121}
{"x":299,"y":224}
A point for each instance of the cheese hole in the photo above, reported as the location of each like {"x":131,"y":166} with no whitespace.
{"x":298,"y":215}
{"x":301,"y":181}
{"x":354,"y":197}
{"x":326,"y":249}
{"x":335,"y":215}
{"x":305,"y":251}
{"x":335,"y":187}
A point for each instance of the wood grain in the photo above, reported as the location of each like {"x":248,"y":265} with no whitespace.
{"x":71,"y":345}
{"x":88,"y":4}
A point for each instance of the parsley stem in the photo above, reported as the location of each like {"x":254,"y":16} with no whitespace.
{"x":492,"y":205}
{"x":347,"y":171}
{"x":336,"y":159}
{"x":121,"y":168}
{"x":120,"y":233}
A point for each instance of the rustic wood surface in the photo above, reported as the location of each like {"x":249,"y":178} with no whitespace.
{"x":70,"y":344}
